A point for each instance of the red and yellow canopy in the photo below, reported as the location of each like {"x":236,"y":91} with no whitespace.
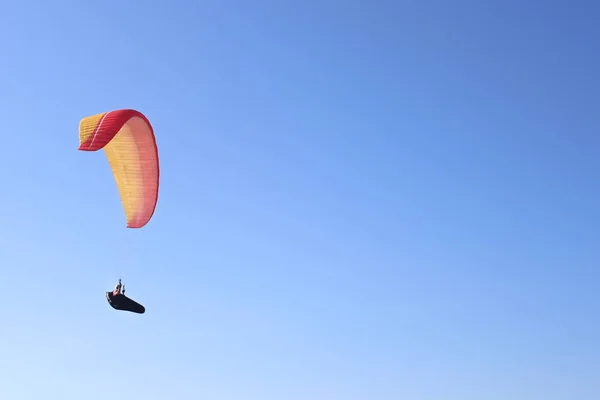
{"x":130,"y":146}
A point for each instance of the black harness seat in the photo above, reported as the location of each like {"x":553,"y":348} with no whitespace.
{"x":124,"y":303}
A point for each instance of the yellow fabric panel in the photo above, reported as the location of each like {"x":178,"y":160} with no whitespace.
{"x":124,"y":159}
{"x":87,"y":127}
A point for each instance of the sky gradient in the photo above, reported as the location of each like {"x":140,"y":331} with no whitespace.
{"x":385,"y":200}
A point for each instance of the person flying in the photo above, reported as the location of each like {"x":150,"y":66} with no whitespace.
{"x":119,"y":289}
{"x":119,"y":301}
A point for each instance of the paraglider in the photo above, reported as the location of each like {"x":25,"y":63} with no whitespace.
{"x":119,"y":301}
{"x":128,"y":141}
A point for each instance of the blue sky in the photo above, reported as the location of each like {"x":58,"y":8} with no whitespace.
{"x":382,"y":200}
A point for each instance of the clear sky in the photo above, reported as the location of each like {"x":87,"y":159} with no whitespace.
{"x":384,"y":200}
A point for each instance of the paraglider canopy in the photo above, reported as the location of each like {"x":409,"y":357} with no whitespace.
{"x":130,"y":146}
